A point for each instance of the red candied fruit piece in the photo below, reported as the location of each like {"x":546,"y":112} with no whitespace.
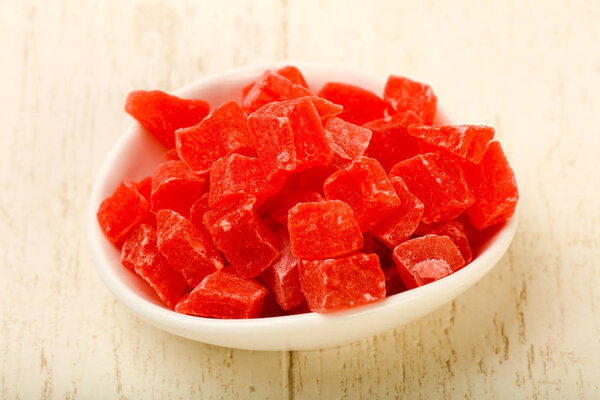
{"x":175,"y":187}
{"x":386,"y":258}
{"x":197,"y":212}
{"x":335,"y":284}
{"x":456,"y":232}
{"x":220,"y":134}
{"x":271,"y":308}
{"x":390,"y":142}
{"x":427,"y":258}
{"x":226,"y":296}
{"x":325,"y":108}
{"x":404,"y":95}
{"x":366,"y":188}
{"x":349,"y":141}
{"x":282,"y":276}
{"x":236,"y":175}
{"x":494,"y":186}
{"x":438,"y":181}
{"x":122,"y":211}
{"x":466,"y":141}
{"x":238,"y":232}
{"x":289,"y":137}
{"x":393,"y":282}
{"x":145,"y":187}
{"x":272,"y":87}
{"x":403,"y":222}
{"x":286,"y":199}
{"x":293,"y":74}
{"x":162,"y":114}
{"x":187,"y":249}
{"x":171,"y":155}
{"x":360,"y":105}
{"x":140,"y":253}
{"x":323,"y":229}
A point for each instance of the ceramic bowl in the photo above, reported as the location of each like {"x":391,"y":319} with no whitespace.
{"x":136,"y":154}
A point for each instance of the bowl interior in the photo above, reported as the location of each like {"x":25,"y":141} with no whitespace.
{"x":137,"y":154}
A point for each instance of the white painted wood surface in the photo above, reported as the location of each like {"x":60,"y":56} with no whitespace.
{"x":530,"y":329}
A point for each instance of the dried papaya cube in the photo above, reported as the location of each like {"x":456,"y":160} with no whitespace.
{"x":236,"y":175}
{"x":222,"y":133}
{"x":289,"y":137}
{"x":404,"y":95}
{"x":325,"y":108}
{"x":360,"y":105}
{"x":162,"y":114}
{"x":366,"y":188}
{"x":390,"y":142}
{"x":403,"y":222}
{"x":122,"y":211}
{"x":226,"y":296}
{"x":437,"y":180}
{"x":349,"y":141}
{"x":140,"y":253}
{"x":323,"y":229}
{"x":466,"y":141}
{"x":145,"y":187}
{"x":239,"y":233}
{"x":282,"y":276}
{"x":187,"y":249}
{"x":175,"y":187}
{"x":171,"y":155}
{"x":455,"y":230}
{"x":286,"y":199}
{"x":197,"y":211}
{"x":336,"y":284}
{"x":293,"y":74}
{"x":494,"y":186}
{"x":426,"y":259}
{"x":271,"y":87}
{"x":393,"y":282}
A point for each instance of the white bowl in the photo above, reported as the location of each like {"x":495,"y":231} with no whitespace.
{"x":136,"y":154}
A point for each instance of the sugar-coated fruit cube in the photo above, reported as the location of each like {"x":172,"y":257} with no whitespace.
{"x":293,"y":74}
{"x":237,"y":175}
{"x":466,"y":141}
{"x":197,"y":211}
{"x":493,"y":184}
{"x":366,"y":188}
{"x":393,"y":282}
{"x":323,"y":229}
{"x":140,"y":253}
{"x":455,"y":230}
{"x":404,"y":95}
{"x":122,"y":211}
{"x":145,"y":187}
{"x":281,"y":204}
{"x":162,"y":114}
{"x":239,"y":233}
{"x":187,"y":249}
{"x":390,"y":143}
{"x":325,"y":108}
{"x":226,"y":296}
{"x":349,"y":141}
{"x":272,"y":87}
{"x":222,"y":133}
{"x":282,"y":276}
{"x":175,"y":187}
{"x":289,"y":137}
{"x":171,"y":155}
{"x":427,"y":258}
{"x":437,"y":180}
{"x":401,"y":223}
{"x":335,"y":284}
{"x":360,"y":105}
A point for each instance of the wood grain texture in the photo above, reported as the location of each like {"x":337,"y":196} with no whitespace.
{"x":530,"y":329}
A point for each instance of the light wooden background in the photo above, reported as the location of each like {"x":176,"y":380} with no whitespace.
{"x":530,"y":329}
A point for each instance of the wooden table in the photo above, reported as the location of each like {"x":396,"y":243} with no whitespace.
{"x":530,"y":329}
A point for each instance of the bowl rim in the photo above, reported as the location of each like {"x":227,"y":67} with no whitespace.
{"x":161,"y":316}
